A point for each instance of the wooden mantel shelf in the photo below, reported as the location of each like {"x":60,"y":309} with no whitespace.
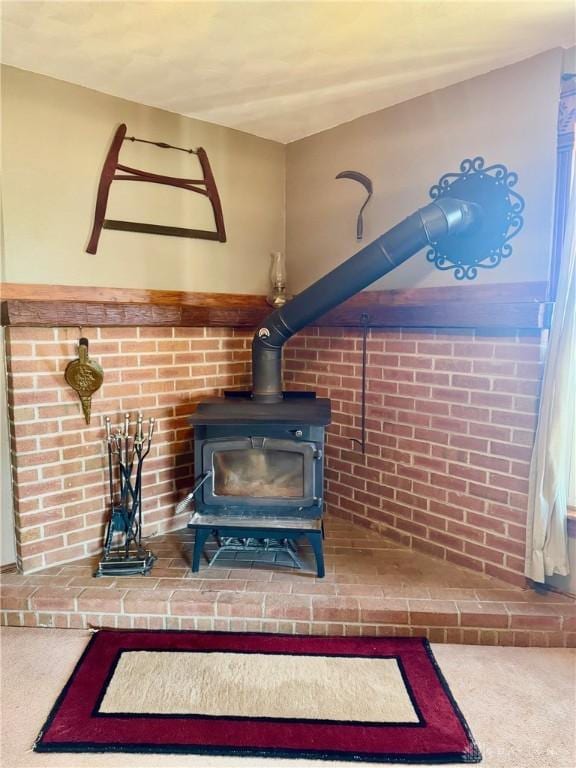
{"x":522,"y":305}
{"x":63,"y":305}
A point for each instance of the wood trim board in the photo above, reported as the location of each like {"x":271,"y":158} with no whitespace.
{"x":43,"y":292}
{"x":520,"y":305}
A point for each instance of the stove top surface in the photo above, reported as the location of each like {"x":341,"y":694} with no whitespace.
{"x":239,"y":408}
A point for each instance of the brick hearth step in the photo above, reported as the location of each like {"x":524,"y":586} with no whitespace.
{"x":372,"y":587}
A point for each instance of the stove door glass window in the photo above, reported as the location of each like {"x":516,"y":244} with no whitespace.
{"x":258,"y":473}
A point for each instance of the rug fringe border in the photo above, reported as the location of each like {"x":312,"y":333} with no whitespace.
{"x":440,"y":758}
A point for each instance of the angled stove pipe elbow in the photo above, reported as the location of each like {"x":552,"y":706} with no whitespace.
{"x":441,"y":218}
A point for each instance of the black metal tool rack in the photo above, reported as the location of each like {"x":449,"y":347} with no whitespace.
{"x":123,"y":551}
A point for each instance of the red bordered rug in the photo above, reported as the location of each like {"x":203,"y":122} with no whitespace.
{"x":348,"y":698}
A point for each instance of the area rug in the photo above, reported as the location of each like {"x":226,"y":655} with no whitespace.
{"x":344,"y":698}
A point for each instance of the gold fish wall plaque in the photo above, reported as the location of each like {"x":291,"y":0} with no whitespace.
{"x":85,"y":377}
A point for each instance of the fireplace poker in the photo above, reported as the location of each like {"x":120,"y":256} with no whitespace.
{"x":126,"y":465}
{"x":137,"y":496}
{"x":126,"y":435}
{"x":110,"y":475}
{"x":111,"y":526}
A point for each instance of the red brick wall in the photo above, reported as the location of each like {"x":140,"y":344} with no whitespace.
{"x":450,"y":424}
{"x":59,"y":462}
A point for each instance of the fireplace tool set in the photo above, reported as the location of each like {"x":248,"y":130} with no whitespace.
{"x":123,"y":550}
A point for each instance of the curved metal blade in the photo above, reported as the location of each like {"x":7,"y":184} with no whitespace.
{"x":367,"y":184}
{"x":359,"y":177}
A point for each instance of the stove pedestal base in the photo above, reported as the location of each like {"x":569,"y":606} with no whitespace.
{"x":257,"y":528}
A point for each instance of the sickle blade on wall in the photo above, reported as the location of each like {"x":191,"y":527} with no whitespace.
{"x":367,"y":184}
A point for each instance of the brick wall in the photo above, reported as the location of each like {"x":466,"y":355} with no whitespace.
{"x":450,"y":423}
{"x":60,"y":463}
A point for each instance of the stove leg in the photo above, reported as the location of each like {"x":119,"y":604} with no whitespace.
{"x":315,"y":541}
{"x":202,"y":535}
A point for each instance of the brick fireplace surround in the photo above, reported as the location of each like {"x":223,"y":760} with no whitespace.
{"x":451,"y":416}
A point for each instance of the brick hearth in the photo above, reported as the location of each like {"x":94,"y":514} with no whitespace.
{"x":373,"y":586}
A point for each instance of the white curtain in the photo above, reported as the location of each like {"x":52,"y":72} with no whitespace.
{"x":547,"y":537}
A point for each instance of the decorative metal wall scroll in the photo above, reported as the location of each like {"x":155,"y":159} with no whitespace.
{"x":367,"y":184}
{"x":84,"y":376}
{"x":204,"y":186}
{"x":123,"y":550}
{"x":485,"y":245}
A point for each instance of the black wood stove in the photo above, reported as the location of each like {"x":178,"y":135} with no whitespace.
{"x":259,"y":454}
{"x":262,"y":472}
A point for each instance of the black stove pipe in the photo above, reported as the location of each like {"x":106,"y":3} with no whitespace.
{"x":443,"y":217}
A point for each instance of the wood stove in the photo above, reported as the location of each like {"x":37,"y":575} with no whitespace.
{"x":261,"y":468}
{"x":259,"y":455}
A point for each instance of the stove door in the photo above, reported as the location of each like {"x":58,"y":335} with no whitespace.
{"x":260,"y":472}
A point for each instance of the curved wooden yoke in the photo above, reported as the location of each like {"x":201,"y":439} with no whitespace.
{"x":205,"y":186}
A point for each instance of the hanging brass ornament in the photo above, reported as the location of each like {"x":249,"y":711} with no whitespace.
{"x":85,"y":377}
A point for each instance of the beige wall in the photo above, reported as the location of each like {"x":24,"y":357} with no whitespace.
{"x":55,"y":138}
{"x":507,"y":116}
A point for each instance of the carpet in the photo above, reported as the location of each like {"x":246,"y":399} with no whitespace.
{"x":348,"y":698}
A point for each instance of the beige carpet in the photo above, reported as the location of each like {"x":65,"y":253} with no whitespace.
{"x":520,"y":704}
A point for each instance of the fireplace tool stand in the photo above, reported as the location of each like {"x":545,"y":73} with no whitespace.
{"x":124,"y":554}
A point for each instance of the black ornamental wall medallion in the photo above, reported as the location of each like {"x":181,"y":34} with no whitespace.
{"x":485,"y":244}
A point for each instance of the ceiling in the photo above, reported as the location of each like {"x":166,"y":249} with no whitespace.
{"x":277,"y":69}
